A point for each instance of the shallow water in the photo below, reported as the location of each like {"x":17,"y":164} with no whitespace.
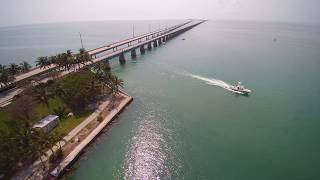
{"x":181,"y":127}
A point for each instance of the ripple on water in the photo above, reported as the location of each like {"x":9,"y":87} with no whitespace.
{"x":147,"y":157}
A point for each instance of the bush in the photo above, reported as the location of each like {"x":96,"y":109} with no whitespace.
{"x":77,"y":90}
{"x":61,"y":112}
{"x":58,"y":155}
{"x":100,"y":118}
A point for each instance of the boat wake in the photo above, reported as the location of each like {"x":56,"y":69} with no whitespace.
{"x":212,"y":82}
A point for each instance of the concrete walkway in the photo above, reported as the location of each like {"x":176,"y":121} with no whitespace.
{"x":75,"y":131}
{"x":75,"y":152}
{"x":26,"y":173}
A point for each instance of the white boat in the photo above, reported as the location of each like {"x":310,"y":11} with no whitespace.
{"x":239,"y":89}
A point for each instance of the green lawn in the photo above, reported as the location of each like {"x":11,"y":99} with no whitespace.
{"x":66,"y":125}
{"x":41,"y":110}
{"x":4,"y":120}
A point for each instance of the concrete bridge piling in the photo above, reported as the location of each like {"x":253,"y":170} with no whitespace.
{"x":142,"y":50}
{"x":122,"y":59}
{"x":149,"y":46}
{"x":118,"y":49}
{"x":133,"y":53}
{"x":107,"y":63}
{"x":155,"y":43}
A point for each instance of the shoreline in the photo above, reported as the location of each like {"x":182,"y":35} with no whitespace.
{"x":76,"y":140}
{"x":69,"y":160}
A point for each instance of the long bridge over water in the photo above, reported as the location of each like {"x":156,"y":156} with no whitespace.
{"x":118,"y":49}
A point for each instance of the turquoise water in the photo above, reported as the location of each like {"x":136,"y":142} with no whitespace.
{"x":180,"y":127}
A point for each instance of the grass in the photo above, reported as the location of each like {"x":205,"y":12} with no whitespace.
{"x":71,"y":93}
{"x":74,"y":84}
{"x":41,"y":110}
{"x":66,"y":125}
{"x":4,"y":121}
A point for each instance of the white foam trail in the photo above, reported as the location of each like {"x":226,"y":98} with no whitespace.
{"x":213,"y":82}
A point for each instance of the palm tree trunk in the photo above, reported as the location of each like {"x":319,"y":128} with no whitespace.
{"x":42,"y":162}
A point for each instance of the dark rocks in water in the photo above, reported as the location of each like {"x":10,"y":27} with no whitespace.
{"x":183,"y":39}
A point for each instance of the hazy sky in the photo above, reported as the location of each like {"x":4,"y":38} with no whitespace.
{"x":13,"y":12}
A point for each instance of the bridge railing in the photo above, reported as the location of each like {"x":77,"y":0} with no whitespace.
{"x":126,"y":49}
{"x":37,"y":71}
{"x":128,"y":41}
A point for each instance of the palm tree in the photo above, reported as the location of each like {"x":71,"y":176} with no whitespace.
{"x":58,"y":90}
{"x":71,"y":60}
{"x":42,"y":94}
{"x":104,"y":76}
{"x":115,"y":83}
{"x":39,"y":145}
{"x":56,"y":137}
{"x":83,"y":57}
{"x":2,"y":67}
{"x":65,"y":60}
{"x":25,"y":66}
{"x":59,"y":61}
{"x":6,"y":77}
{"x":61,"y":111}
{"x":43,"y":62}
{"x":53,"y":60}
{"x":41,"y":152}
{"x":50,"y":140}
{"x":13,"y":68}
{"x":82,"y":51}
{"x":69,"y":52}
{"x":101,"y":68}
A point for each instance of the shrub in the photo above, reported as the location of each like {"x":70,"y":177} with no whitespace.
{"x":58,"y":155}
{"x":61,"y":112}
{"x":100,"y":118}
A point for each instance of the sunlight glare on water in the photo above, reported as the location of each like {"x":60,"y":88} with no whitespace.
{"x":147,"y":157}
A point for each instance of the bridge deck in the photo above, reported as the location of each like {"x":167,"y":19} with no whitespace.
{"x":36,"y":71}
{"x":123,"y":42}
{"x":106,"y":54}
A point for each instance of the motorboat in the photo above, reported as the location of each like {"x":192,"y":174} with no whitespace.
{"x":239,"y":89}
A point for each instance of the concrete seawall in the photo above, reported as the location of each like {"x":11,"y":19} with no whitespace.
{"x":65,"y":163}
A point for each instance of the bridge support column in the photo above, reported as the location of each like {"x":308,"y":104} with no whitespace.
{"x":133,"y":53}
{"x":149,"y":46}
{"x":107,"y":63}
{"x":142,"y":50}
{"x":164,"y":39}
{"x":122,"y":59}
{"x":155,"y":43}
{"x":160,"y":41}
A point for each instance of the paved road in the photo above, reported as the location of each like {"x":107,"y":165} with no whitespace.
{"x":6,"y":97}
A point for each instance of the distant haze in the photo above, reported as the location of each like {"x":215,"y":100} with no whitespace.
{"x":15,"y":12}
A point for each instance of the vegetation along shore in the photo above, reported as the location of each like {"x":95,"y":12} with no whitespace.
{"x":81,"y":97}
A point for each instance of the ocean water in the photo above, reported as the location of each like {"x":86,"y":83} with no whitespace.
{"x":28,"y":42}
{"x":183,"y":124}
